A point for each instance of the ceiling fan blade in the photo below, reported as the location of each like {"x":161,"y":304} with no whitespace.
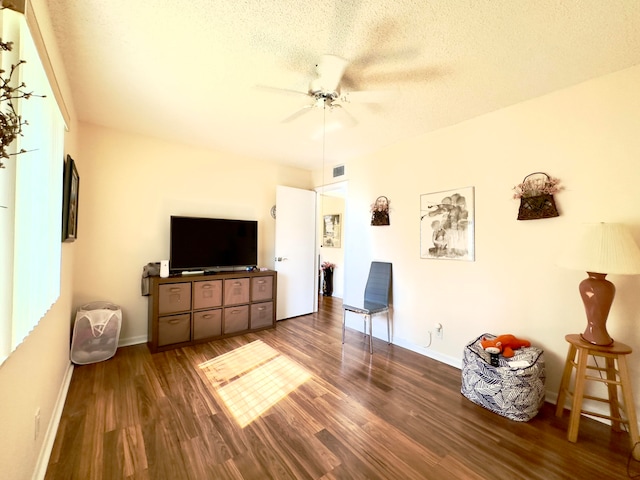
{"x":286,"y":91}
{"x":338,"y":118}
{"x":415,"y":75}
{"x":378,"y":58}
{"x":330,"y":71}
{"x":348,"y":119}
{"x":299,"y":113}
{"x":373,"y":96}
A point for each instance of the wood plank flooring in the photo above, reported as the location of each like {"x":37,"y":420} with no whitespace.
{"x":321,"y":411}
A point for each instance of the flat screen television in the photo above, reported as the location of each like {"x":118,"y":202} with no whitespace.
{"x":212,"y":244}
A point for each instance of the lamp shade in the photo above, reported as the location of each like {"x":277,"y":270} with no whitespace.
{"x":605,"y":248}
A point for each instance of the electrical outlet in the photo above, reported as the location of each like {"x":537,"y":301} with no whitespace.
{"x":439,"y":329}
{"x":36,"y":430}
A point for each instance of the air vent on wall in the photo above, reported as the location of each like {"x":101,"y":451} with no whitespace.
{"x":338,"y":171}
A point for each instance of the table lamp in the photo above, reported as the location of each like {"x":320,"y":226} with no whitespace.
{"x":602,"y":249}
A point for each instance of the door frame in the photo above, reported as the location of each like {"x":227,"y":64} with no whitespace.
{"x":338,"y":189}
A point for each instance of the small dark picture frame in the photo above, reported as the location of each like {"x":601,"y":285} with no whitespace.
{"x":70,"y":198}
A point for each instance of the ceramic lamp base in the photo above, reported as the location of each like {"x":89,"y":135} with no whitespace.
{"x":597,"y":295}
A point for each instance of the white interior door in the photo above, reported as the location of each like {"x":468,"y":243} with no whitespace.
{"x":295,"y":250}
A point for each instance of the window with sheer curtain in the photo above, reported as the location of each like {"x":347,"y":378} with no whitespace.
{"x":30,"y":197}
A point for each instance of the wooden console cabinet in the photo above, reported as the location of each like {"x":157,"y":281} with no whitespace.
{"x":188,"y":309}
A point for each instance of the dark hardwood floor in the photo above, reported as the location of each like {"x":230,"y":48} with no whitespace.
{"x":311,"y":409}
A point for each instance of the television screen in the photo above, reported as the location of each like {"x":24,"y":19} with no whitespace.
{"x":198,"y":243}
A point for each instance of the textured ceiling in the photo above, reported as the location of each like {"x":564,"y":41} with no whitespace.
{"x":195,"y":71}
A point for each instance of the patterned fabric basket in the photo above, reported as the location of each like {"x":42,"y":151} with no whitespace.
{"x":515,"y":392}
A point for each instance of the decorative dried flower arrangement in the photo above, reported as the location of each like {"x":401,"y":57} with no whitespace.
{"x":536,"y":196}
{"x":543,"y":184}
{"x":328,"y":266}
{"x":10,"y":122}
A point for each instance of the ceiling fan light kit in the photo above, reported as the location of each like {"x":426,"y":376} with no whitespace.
{"x":326,"y":90}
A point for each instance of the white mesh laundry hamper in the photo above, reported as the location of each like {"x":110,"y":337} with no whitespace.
{"x":95,"y":332}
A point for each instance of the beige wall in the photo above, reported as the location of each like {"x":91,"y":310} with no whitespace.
{"x":587,"y":136}
{"x":35,"y":375}
{"x":131,"y":185}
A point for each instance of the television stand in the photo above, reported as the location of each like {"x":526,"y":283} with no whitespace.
{"x":196,"y":307}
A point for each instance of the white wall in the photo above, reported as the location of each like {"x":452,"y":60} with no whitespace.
{"x":131,"y":185}
{"x":588,"y":137}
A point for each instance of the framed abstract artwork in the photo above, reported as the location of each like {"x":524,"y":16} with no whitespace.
{"x":447,"y":225}
{"x":331,"y":231}
{"x":71,"y":191}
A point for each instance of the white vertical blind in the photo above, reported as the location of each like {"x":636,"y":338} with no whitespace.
{"x":8,"y":30}
{"x":37,"y":205}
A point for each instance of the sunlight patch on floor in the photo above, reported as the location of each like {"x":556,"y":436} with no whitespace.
{"x":253,"y":378}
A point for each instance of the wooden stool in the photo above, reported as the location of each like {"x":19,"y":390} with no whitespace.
{"x":611,"y":353}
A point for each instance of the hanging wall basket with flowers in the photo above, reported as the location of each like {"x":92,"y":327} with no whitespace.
{"x":536,"y":196}
{"x":380,"y":211}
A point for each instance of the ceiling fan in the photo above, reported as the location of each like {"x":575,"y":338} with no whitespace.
{"x":326,"y":93}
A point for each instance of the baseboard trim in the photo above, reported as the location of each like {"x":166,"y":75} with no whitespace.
{"x":446,"y":359}
{"x":127,"y":342}
{"x":52,"y":428}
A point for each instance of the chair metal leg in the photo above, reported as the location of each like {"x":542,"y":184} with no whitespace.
{"x":370,"y":335}
{"x":388,"y":329}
